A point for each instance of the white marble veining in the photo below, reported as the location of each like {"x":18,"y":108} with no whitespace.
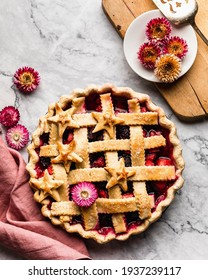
{"x":72,"y":44}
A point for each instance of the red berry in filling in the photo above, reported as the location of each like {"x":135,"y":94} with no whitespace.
{"x":153,"y":132}
{"x":122,"y":132}
{"x":143,"y":109}
{"x":103,"y":194}
{"x":98,"y":108}
{"x":44,"y":139}
{"x":99,"y":162}
{"x":144,"y":133}
{"x":93,"y":103}
{"x":120,"y":104}
{"x":50,"y":170}
{"x":68,"y":136}
{"x":159,"y":199}
{"x":127,"y":157}
{"x":160,"y":186}
{"x":149,"y":162}
{"x":39,"y":170}
{"x":9,"y":116}
{"x":94,"y":136}
{"x":45,"y":162}
{"x":106,"y":230}
{"x":151,"y":156}
{"x":132,"y":218}
{"x":105,"y":223}
{"x":164,"y":161}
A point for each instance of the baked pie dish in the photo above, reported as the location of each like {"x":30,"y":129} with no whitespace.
{"x":105,"y":162}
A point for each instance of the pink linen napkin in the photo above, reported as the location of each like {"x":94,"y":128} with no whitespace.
{"x":22,"y":226}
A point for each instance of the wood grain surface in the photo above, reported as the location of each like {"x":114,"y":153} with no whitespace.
{"x":188,"y":96}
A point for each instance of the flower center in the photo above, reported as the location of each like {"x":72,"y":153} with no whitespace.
{"x":149,"y":52}
{"x":16,"y":137}
{"x":27,"y":78}
{"x":84,"y":194}
{"x":168,"y":66}
{"x":159,"y":31}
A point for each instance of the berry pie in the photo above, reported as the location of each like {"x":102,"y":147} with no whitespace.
{"x":105,"y":162}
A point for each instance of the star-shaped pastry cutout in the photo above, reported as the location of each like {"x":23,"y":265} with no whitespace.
{"x":119,"y":175}
{"x":47,"y":186}
{"x":64,"y":119}
{"x":67,"y":155}
{"x":106,"y":120}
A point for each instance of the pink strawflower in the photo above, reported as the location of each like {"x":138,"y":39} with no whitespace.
{"x":26,"y":79}
{"x":17,"y":137}
{"x":84,"y":194}
{"x":9,"y":116}
{"x":177,"y":46}
{"x":148,"y":54}
{"x":158,"y":28}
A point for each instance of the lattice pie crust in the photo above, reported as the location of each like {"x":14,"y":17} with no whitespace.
{"x":131,"y":200}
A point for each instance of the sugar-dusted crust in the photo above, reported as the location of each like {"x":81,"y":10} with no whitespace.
{"x":59,"y":213}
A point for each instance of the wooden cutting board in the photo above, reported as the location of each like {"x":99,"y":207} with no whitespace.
{"x":188,"y":96}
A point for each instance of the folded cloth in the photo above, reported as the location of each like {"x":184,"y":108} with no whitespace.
{"x":22,"y":226}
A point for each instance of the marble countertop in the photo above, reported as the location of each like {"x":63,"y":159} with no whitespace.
{"x":72,"y":44}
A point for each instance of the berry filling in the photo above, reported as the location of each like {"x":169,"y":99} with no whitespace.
{"x":94,"y":136}
{"x":44,"y":139}
{"x":101,"y":188}
{"x":157,"y":190}
{"x":132,"y":220}
{"x":68,"y":136}
{"x":93,"y":103}
{"x":127,"y":157}
{"x":84,"y":194}
{"x":120,"y":104}
{"x":105,"y":224}
{"x":43,"y":164}
{"x":97,"y":160}
{"x":122,"y":132}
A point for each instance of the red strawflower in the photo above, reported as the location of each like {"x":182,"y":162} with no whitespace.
{"x":9,"y":116}
{"x":158,"y":28}
{"x":177,"y":46}
{"x":148,"y":54}
{"x":26,"y":79}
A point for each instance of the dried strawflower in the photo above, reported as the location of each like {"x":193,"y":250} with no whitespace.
{"x":84,"y":194}
{"x":158,"y":28}
{"x":148,"y":54}
{"x":9,"y":116}
{"x":17,"y":137}
{"x":177,"y":46}
{"x":26,"y":79}
{"x":167,"y":68}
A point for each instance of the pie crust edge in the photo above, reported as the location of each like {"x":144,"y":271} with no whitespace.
{"x":163,"y":121}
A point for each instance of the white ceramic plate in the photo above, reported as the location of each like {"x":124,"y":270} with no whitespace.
{"x":135,"y":36}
